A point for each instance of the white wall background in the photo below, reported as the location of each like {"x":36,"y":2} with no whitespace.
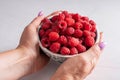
{"x":16,"y":14}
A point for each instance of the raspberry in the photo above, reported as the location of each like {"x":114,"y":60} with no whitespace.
{"x":76,"y":17}
{"x":61,"y":16}
{"x":87,"y":26}
{"x":86,"y":33}
{"x":92,"y":22}
{"x":84,"y":18}
{"x":46,"y":25}
{"x":47,"y":32}
{"x":93,"y":25}
{"x":78,"y":25}
{"x":62,"y":25}
{"x":65,"y":51}
{"x":67,"y":15}
{"x":73,"y":51}
{"x":89,"y":41}
{"x":78,"y":33}
{"x":81,"y":48}
{"x":93,"y":28}
{"x":68,"y":37}
{"x":45,"y":20}
{"x":62,"y":40}
{"x":55,"y":47}
{"x":80,"y":41}
{"x":53,"y":36}
{"x":70,"y":31}
{"x":72,"y":42}
{"x":70,"y":21}
{"x":41,"y":32}
{"x":55,"y":29}
{"x":45,"y":42}
{"x":93,"y":34}
{"x":54,"y":18}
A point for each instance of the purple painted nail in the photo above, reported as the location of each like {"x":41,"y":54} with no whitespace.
{"x":40,"y":13}
{"x":102,"y":45}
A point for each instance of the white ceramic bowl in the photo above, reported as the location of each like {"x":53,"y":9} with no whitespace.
{"x":58,"y":57}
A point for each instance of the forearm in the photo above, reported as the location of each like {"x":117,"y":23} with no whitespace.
{"x":14,"y":64}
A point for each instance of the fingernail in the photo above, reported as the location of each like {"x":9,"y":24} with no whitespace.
{"x":40,"y":13}
{"x":102,"y":45}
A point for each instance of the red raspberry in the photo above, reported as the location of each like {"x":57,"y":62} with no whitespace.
{"x":46,"y":25}
{"x":46,"y":20}
{"x":47,"y":32}
{"x":81,"y":48}
{"x":45,"y":42}
{"x":92,"y":22}
{"x":61,"y":16}
{"x":67,"y":15}
{"x":73,"y":51}
{"x":78,"y":33}
{"x":93,"y":25}
{"x":84,"y":18}
{"x":86,"y":33}
{"x":87,"y":26}
{"x":80,"y":41}
{"x":93,"y":28}
{"x":68,"y":37}
{"x":93,"y":34}
{"x":55,"y":47}
{"x":41,"y":32}
{"x":62,"y":40}
{"x":54,"y":18}
{"x":76,"y":17}
{"x":89,"y":41}
{"x":70,"y":21}
{"x":53,"y":36}
{"x":55,"y":29}
{"x":78,"y":25}
{"x":70,"y":31}
{"x":65,"y":51}
{"x":72,"y":42}
{"x":62,"y":25}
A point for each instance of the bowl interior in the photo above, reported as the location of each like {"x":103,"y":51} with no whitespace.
{"x":48,"y":52}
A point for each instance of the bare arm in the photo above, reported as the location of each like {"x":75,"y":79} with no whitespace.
{"x":26,"y":58}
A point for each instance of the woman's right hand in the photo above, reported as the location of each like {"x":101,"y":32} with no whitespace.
{"x":79,"y":67}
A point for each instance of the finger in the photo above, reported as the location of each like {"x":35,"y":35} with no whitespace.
{"x":101,"y":43}
{"x":36,"y":22}
{"x":101,"y":37}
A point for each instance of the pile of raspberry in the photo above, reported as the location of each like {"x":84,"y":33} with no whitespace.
{"x":67,"y":33}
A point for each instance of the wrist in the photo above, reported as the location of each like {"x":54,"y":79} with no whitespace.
{"x":25,"y":51}
{"x":15,"y":64}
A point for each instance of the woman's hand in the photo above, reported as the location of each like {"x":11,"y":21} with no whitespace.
{"x":26,"y":58}
{"x":29,"y":42}
{"x":79,"y":67}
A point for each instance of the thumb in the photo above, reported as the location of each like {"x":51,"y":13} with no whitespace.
{"x":36,"y":22}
